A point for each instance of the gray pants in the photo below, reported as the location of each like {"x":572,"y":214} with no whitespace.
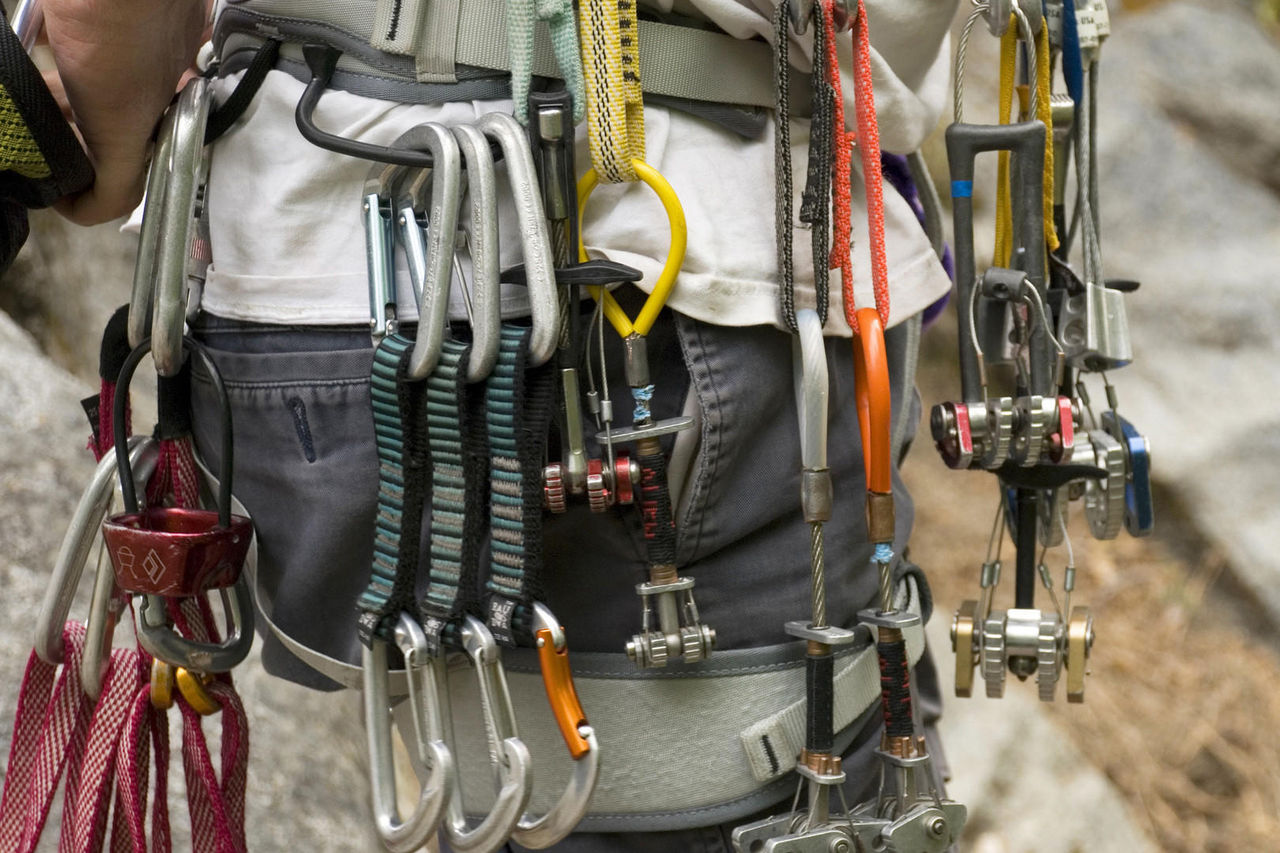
{"x":306,"y":470}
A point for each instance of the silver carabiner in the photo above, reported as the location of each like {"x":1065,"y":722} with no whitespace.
{"x":539,"y":263}
{"x":160,"y":277}
{"x":511,"y":755}
{"x":73,"y":554}
{"x":156,"y":634}
{"x":424,"y":697}
{"x":379,"y":249}
{"x":539,"y":833}
{"x":486,"y":296}
{"x":433,"y":289}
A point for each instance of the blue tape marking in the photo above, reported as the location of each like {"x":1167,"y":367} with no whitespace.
{"x":884,"y":553}
{"x":643,"y":396}
{"x":1072,"y":61}
{"x":962,"y":189}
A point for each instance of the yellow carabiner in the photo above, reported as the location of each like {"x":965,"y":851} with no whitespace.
{"x":670,"y":269}
{"x":192,"y":687}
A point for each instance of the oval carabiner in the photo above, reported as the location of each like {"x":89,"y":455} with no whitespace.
{"x":73,"y":554}
{"x":538,"y":833}
{"x":161,"y":272}
{"x":486,"y":266}
{"x":670,"y":268}
{"x":181,"y":552}
{"x":535,"y":235}
{"x":403,"y":836}
{"x":514,"y":764}
{"x":433,"y":288}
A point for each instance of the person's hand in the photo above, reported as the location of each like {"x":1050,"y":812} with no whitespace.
{"x":119,"y":62}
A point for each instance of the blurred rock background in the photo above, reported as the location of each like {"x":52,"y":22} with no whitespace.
{"x":1175,"y":747}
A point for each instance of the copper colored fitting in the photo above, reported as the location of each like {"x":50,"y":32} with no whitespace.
{"x":880,"y":517}
{"x":648,"y":446}
{"x":888,"y":635}
{"x":661,"y":573}
{"x":901,"y":747}
{"x":822,"y":763}
{"x":818,"y":650}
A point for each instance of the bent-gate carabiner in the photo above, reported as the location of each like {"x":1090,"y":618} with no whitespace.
{"x":538,"y":833}
{"x":403,"y":836}
{"x":514,"y":764}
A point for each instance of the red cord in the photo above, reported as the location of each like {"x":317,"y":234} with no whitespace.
{"x":868,"y":139}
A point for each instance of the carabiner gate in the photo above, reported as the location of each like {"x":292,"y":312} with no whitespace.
{"x":514,"y":764}
{"x":539,"y":833}
{"x":424,"y":697}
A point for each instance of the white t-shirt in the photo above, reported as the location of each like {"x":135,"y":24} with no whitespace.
{"x":288,"y":239}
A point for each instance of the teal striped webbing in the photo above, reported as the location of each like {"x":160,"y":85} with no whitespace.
{"x":518,"y":402}
{"x":391,"y":579}
{"x":456,"y":522}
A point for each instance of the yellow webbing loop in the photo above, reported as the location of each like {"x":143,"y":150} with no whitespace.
{"x":1004,"y":209}
{"x":609,"y":31}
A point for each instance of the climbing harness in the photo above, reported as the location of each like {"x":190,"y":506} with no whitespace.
{"x":1032,"y":311}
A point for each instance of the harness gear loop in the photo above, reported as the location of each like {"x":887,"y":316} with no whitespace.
{"x":615,"y":107}
{"x":671,"y":266}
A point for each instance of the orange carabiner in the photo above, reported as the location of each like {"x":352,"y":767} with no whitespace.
{"x":561,"y":694}
{"x":875,"y":406}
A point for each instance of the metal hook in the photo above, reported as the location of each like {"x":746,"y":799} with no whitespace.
{"x":553,"y":656}
{"x":404,"y":836}
{"x":512,"y":756}
{"x":539,"y":263}
{"x":486,"y":315}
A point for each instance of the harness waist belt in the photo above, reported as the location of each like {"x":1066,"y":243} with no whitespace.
{"x":678,"y":62}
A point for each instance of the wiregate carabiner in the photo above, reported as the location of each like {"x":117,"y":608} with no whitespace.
{"x":73,"y":554}
{"x":579,"y":737}
{"x":514,"y":765}
{"x":535,"y":237}
{"x":403,"y":836}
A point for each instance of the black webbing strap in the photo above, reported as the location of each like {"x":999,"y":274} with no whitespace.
{"x":455,"y":440}
{"x":655,"y":510}
{"x":815,"y":201}
{"x":221,"y":119}
{"x":518,"y":410}
{"x":403,"y":470}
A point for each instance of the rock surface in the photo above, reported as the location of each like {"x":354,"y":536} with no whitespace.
{"x":1190,"y":156}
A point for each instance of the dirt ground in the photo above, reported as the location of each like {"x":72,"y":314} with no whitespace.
{"x":1183,"y":703}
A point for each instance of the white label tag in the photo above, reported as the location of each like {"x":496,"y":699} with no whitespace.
{"x":1053,"y":19}
{"x":1102,"y":18}
{"x":1086,"y":28}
